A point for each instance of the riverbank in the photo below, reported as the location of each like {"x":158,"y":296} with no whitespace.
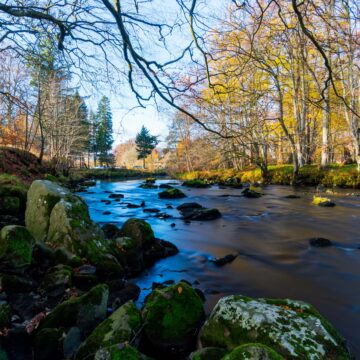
{"x":345,"y":176}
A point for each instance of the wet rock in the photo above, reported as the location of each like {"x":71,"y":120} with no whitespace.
{"x":72,"y":342}
{"x":139,"y":230}
{"x":171,"y":194}
{"x":172,"y":225}
{"x":48,"y":345}
{"x":224,"y":260}
{"x":201,"y":214}
{"x":42,"y":196}
{"x":119,"y":297}
{"x":150,"y":181}
{"x":120,"y":327}
{"x":294,"y":328}
{"x":106,"y":213}
{"x":132,"y":206}
{"x":116,"y":196}
{"x":151,"y":210}
{"x":172,"y":317}
{"x":323,"y":202}
{"x":255,"y":351}
{"x":111,"y":231}
{"x":169,"y":207}
{"x":16,"y":244}
{"x":196,"y":184}
{"x":148,"y":186}
{"x":320,"y":242}
{"x":85,"y":311}
{"x":292,"y":196}
{"x":249,"y":193}
{"x":120,"y":351}
{"x":189,"y":205}
{"x":158,"y":249}
{"x":163,"y":216}
{"x":208,"y":353}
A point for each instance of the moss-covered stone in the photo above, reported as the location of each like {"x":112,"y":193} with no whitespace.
{"x":322,"y":201}
{"x":120,"y":327}
{"x":57,"y":279}
{"x":120,"y":352}
{"x":72,"y":229}
{"x":294,"y":329}
{"x":85,"y":312}
{"x":171,"y":194}
{"x":129,"y":253}
{"x":16,"y":244}
{"x":172,"y":316}
{"x":47,"y":345}
{"x":5,"y":314}
{"x":42,"y":196}
{"x":253,"y":352}
{"x":208,"y":353}
{"x":139,"y":230}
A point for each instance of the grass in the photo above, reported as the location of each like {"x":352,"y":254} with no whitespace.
{"x":345,"y":176}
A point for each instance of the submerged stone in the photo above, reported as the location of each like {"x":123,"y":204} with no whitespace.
{"x":293,"y":328}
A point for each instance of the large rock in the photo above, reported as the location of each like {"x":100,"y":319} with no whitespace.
{"x":171,"y":194}
{"x":85,"y":312}
{"x":120,"y":327}
{"x":16,"y":244}
{"x":294,"y":329}
{"x":42,"y":196}
{"x":196,"y":184}
{"x":253,"y":352}
{"x":71,"y":228}
{"x":139,"y":230}
{"x":172,"y":317}
{"x":209,"y":353}
{"x":194,"y":211}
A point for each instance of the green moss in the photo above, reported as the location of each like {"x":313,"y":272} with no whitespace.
{"x":139,"y":230}
{"x":208,"y":353}
{"x":16,"y":245}
{"x":83,"y":311}
{"x":253,"y":351}
{"x":172,"y":314}
{"x":56,"y":279}
{"x":120,"y":352}
{"x":196,"y":183}
{"x":171,"y":194}
{"x":120,"y":327}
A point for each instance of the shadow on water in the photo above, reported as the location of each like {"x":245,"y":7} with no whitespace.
{"x":271,"y":235}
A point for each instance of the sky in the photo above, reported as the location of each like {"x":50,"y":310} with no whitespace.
{"x":128,"y":118}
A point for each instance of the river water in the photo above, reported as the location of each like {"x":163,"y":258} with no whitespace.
{"x":271,"y":235}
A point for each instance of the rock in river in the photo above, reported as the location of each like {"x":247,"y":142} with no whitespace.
{"x":171,"y":194}
{"x":194,"y":211}
{"x":294,"y":329}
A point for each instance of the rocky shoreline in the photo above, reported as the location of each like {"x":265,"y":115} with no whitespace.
{"x":66,"y":294}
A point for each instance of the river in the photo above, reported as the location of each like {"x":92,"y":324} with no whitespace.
{"x":271,"y":235}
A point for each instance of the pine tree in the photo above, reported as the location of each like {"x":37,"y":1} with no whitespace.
{"x":104,"y":137}
{"x":145,"y":143}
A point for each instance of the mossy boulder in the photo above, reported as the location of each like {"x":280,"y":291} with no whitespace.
{"x":139,"y":230}
{"x":5,"y":314}
{"x":42,"y":196}
{"x":16,"y":244}
{"x":47,"y":344}
{"x":196,"y":184}
{"x":171,"y":194}
{"x":120,"y":327}
{"x":58,"y":279}
{"x":71,"y":228}
{"x":172,"y":317}
{"x":120,"y":352}
{"x":253,"y":352}
{"x":251,"y":193}
{"x":293,"y":329}
{"x":208,"y":353}
{"x":85,"y":311}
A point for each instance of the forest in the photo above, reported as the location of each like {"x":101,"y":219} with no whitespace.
{"x":179,"y":180}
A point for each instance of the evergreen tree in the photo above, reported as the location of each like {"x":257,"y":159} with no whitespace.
{"x":104,"y":137}
{"x":145,"y":143}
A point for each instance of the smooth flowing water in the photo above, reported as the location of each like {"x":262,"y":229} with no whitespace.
{"x":271,"y":235}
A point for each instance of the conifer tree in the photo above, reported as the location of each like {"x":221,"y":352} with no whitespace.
{"x":145,"y":143}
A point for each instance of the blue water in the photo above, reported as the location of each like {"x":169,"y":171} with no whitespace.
{"x":271,"y":234}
